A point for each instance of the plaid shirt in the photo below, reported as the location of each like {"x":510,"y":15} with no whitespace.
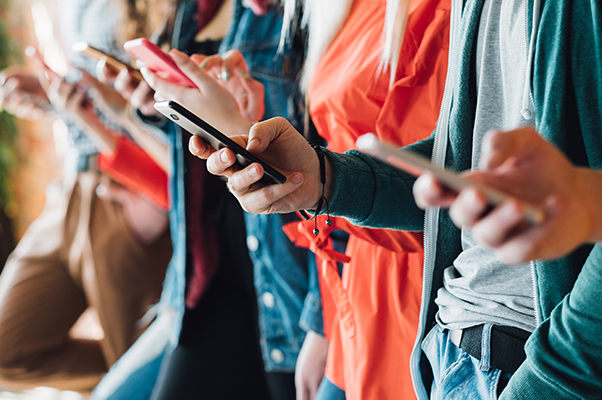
{"x":95,"y":22}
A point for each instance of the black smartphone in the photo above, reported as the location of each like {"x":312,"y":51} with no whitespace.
{"x":416,"y":165}
{"x":195,"y":125}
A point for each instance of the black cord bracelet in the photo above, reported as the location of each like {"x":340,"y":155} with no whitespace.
{"x":322,"y":202}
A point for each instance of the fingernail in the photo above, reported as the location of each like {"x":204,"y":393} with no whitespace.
{"x":252,"y":144}
{"x":204,"y":64}
{"x":297,"y":179}
{"x":176,"y":55}
{"x":226,"y":74}
{"x":510,"y":210}
{"x":124,"y":72}
{"x":224,"y":156}
{"x":471,"y":196}
{"x":254,"y":172}
{"x":192,"y":147}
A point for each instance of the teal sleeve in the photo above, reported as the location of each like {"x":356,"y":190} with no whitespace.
{"x":564,"y":354}
{"x":372,"y":193}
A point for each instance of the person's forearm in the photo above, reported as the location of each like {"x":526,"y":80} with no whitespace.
{"x":103,"y":137}
{"x":156,"y":149}
{"x":372,"y":193}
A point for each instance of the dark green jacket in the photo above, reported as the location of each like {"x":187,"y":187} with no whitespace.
{"x":564,"y":355}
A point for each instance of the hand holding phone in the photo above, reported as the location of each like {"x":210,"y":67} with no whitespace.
{"x":35,"y":55}
{"x":95,"y":54}
{"x":213,"y":137}
{"x":417,"y":165}
{"x":157,"y":61}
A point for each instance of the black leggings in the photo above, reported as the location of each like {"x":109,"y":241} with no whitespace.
{"x":218,"y":357}
{"x":282,"y":385}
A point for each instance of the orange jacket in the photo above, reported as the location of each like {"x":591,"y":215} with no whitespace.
{"x":377,"y":299}
{"x":135,"y":169}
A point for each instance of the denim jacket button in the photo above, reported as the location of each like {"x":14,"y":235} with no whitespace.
{"x":252,"y":243}
{"x":268,"y":299}
{"x":277,"y":356}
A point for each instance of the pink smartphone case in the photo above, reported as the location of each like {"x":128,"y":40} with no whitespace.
{"x":157,"y":61}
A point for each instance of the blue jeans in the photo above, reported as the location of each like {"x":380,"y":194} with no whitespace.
{"x":456,"y":374}
{"x":329,"y":391}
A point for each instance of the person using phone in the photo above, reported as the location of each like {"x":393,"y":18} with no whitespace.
{"x":96,"y":244}
{"x":523,"y":164}
{"x":119,"y":157}
{"x":350,"y":93}
{"x":285,"y":276}
{"x":465,"y":295}
{"x":209,"y":346}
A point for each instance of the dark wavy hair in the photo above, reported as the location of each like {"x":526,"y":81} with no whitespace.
{"x":153,"y":19}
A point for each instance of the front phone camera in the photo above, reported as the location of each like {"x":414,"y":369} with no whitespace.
{"x":174,"y":117}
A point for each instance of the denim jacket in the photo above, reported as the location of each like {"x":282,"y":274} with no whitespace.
{"x":285,"y":276}
{"x":288,"y":290}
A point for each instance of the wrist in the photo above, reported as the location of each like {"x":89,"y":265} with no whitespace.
{"x":328,"y":178}
{"x":126,"y":121}
{"x":323,"y":168}
{"x":319,"y":187}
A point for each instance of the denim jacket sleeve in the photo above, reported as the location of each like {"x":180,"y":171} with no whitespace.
{"x":311,"y":314}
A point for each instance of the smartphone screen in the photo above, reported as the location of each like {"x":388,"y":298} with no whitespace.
{"x":195,"y":125}
{"x":417,"y":165}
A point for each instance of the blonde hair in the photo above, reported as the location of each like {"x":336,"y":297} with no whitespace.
{"x":324,"y":20}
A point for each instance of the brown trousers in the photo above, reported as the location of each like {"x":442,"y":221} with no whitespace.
{"x":79,"y":253}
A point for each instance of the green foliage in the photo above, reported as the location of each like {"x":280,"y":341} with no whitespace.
{"x":8,"y":131}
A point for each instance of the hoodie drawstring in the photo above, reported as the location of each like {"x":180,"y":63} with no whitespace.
{"x":526,"y":110}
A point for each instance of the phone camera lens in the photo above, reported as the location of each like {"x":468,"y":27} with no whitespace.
{"x":174,"y":117}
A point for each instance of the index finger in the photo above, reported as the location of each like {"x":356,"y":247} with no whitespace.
{"x":162,"y":86}
{"x":105,"y":73}
{"x":196,"y":74}
{"x":199,"y":148}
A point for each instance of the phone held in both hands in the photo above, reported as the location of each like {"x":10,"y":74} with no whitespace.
{"x":95,"y":54}
{"x":157,"y":61}
{"x":417,"y":165}
{"x":195,"y":125}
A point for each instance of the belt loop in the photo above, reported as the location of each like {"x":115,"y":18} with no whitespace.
{"x":486,"y":347}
